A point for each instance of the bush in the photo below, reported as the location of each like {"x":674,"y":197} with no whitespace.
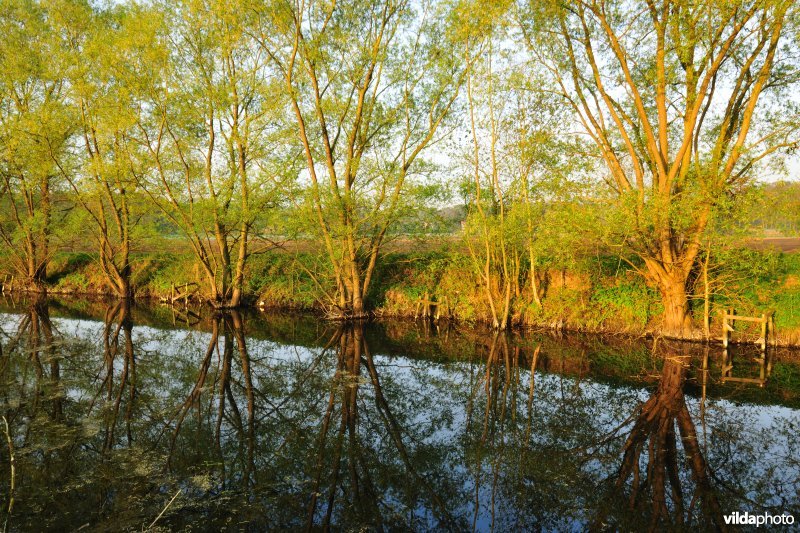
{"x":628,"y":302}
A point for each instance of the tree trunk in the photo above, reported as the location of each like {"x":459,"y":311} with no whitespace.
{"x":125,"y":289}
{"x":358,"y":307}
{"x":534,"y":285}
{"x":238,"y":277}
{"x":357,"y":297}
{"x":677,"y":317}
{"x":706,"y":297}
{"x":670,"y":276}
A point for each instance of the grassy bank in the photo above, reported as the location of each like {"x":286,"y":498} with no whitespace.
{"x":598,"y":294}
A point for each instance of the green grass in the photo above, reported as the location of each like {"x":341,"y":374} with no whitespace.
{"x":601,"y":293}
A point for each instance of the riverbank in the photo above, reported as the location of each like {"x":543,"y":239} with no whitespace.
{"x":600,"y":294}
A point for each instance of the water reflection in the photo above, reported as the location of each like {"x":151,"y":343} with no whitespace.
{"x":222,"y":402}
{"x":363,"y":464}
{"x":33,"y":335}
{"x":117,"y":385}
{"x":763,"y":361}
{"x":650,"y":486}
{"x":30,"y":359}
{"x":284,"y":423}
{"x":499,"y":425}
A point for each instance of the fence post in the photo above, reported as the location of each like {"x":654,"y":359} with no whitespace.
{"x":773,"y":332}
{"x":725,"y":329}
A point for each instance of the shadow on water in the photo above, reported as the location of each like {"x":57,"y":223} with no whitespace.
{"x":120,"y":419}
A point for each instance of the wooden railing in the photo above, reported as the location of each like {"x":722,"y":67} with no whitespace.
{"x":181,"y":292}
{"x":426,"y":307}
{"x":767,"y":322}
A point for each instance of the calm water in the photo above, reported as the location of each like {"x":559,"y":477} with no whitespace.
{"x":120,"y":418}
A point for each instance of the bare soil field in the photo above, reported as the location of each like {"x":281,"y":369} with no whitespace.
{"x":784,"y":244}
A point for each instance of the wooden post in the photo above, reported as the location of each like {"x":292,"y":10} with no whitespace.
{"x":172,"y":292}
{"x":774,"y":331}
{"x":707,"y":298}
{"x":763,"y":333}
{"x":727,"y":364}
{"x":770,"y":361}
{"x":725,"y":329}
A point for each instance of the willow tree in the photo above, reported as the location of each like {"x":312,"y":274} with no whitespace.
{"x":108,"y":50}
{"x":683,"y":101}
{"x":494,"y":256}
{"x":203,"y":125}
{"x":35,"y":123}
{"x":369,"y":85}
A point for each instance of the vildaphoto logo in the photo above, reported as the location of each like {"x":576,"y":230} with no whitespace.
{"x":764,"y":519}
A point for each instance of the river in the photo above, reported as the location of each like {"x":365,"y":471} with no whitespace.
{"x":123,"y":418}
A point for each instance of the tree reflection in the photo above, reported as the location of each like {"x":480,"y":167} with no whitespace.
{"x":353,"y":462}
{"x":339,"y":428}
{"x":117,"y":338}
{"x":221,"y":386}
{"x":32,"y":397}
{"x":35,"y":337}
{"x":499,"y":430}
{"x":649,"y":485}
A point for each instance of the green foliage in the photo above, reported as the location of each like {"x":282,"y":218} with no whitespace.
{"x":74,"y":282}
{"x":162,"y":271}
{"x":285,"y":280}
{"x":64,"y":264}
{"x":787,"y":303}
{"x":625,"y":302}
